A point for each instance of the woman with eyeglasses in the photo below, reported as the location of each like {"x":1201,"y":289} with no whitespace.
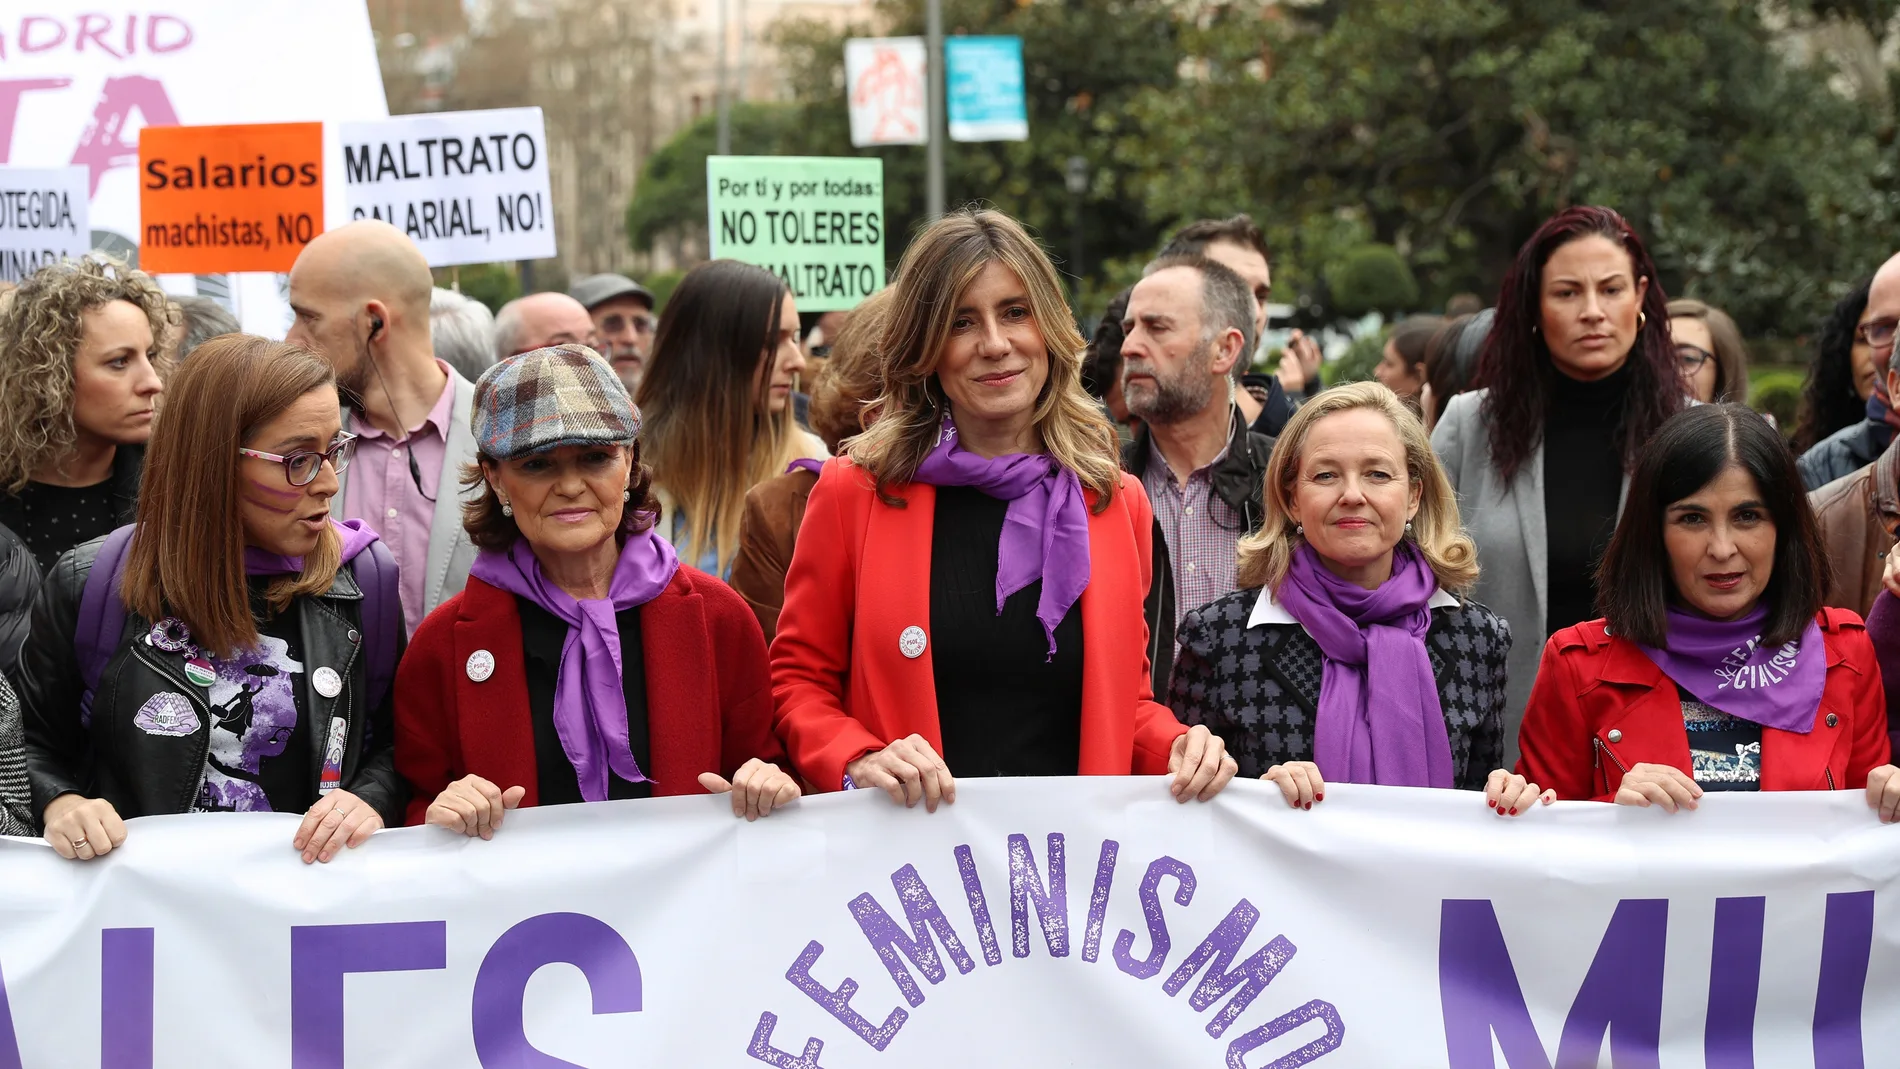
{"x":233,"y":650}
{"x":1710,"y":351}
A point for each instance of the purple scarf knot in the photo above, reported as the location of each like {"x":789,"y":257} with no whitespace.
{"x":1379,"y":718}
{"x":1726,"y":667}
{"x":1045,"y":529}
{"x":590,"y":706}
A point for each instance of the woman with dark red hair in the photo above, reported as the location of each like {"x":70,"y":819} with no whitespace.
{"x":1578,"y":372}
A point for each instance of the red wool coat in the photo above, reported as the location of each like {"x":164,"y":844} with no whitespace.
{"x":709,"y":695}
{"x":1600,"y":707}
{"x":861,"y":575}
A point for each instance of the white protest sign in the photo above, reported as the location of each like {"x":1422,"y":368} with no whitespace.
{"x":82,"y":80}
{"x":884,"y":83}
{"x":42,"y":218}
{"x":467,"y":186}
{"x":1072,"y":922}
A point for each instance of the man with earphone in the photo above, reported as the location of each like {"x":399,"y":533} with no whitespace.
{"x":360,"y":294}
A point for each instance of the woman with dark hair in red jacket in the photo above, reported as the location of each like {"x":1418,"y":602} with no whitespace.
{"x":1715,"y":667}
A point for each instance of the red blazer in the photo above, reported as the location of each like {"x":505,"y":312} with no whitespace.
{"x":709,"y":698}
{"x":1600,"y":707}
{"x":861,"y":575}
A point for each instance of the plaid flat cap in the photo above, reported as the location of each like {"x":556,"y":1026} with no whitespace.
{"x":561,"y":395}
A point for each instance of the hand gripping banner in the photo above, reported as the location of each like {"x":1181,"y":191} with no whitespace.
{"x":1075,"y":922}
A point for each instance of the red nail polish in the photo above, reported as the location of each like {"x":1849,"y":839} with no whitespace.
{"x":1490,"y":803}
{"x":1319,"y":798}
{"x":1514,"y":811}
{"x":1308,"y":805}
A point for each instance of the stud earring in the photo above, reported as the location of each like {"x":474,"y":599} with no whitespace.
{"x":507,"y":509}
{"x":627,"y":494}
{"x":1408,"y":528}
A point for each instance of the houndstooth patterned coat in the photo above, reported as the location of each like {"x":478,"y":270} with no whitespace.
{"x":1258,"y":687}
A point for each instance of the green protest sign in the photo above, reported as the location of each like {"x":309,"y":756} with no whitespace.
{"x":817,"y":223}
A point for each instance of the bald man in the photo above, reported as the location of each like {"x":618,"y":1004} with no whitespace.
{"x":540,"y":320}
{"x":1859,"y":512}
{"x":361,"y":298}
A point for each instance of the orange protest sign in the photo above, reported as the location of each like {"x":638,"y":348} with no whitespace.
{"x":228,"y":198}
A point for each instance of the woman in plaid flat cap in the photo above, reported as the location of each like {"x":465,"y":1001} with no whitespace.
{"x":584,"y":661}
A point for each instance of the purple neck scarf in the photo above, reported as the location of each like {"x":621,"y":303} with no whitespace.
{"x":1379,"y":720}
{"x":355,"y":534}
{"x":1727,"y":668}
{"x":590,"y":706}
{"x":810,"y":464}
{"x":1045,"y":529}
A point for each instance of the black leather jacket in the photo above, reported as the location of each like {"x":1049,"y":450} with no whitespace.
{"x":19,"y":581}
{"x":146,"y":774}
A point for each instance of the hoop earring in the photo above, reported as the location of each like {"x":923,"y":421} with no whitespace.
{"x":1642,"y":320}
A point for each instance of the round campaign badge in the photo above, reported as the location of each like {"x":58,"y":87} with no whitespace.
{"x":481,"y":665}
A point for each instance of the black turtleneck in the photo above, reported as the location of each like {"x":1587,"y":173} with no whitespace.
{"x":1583,"y":481}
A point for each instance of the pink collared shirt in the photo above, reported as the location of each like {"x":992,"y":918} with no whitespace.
{"x":382,"y":494}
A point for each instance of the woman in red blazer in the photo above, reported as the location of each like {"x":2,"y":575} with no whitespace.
{"x":582,"y":661}
{"x":966,"y":595}
{"x":1715,"y":668}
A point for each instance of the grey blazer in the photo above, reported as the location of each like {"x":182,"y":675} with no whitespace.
{"x":450,"y":551}
{"x":1507,"y":522}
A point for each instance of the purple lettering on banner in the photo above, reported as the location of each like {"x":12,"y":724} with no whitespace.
{"x":1728,"y":1031}
{"x":838,"y":1002}
{"x":1315,"y":1010}
{"x":1621,"y":994}
{"x":979,"y":907}
{"x":762,"y":1049}
{"x":9,"y":1043}
{"x":1847,"y":942}
{"x":104,"y":146}
{"x":11,"y":89}
{"x":588,"y":944}
{"x":1125,"y":960}
{"x":1251,"y":976}
{"x":1098,"y":900}
{"x":125,"y":998}
{"x":1052,"y":901}
{"x":322,"y":955}
{"x":889,"y":940}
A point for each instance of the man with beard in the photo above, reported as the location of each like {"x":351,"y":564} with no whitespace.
{"x":361,"y":298}
{"x":1189,"y":320}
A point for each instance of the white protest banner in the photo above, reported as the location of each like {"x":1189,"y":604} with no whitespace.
{"x":82,"y":80}
{"x":884,"y":84}
{"x":42,"y":218}
{"x":1078,"y":922}
{"x":468,"y":186}
{"x":817,"y":222}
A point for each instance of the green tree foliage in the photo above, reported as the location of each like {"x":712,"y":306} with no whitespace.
{"x":1446,"y":129}
{"x":1450,"y":129}
{"x":1372,"y":278}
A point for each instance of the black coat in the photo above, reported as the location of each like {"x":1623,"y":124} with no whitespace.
{"x":1258,"y":687}
{"x":147,"y":774}
{"x":19,"y":581}
{"x":1843,"y":453}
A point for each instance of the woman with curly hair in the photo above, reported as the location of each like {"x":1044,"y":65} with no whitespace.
{"x":79,"y":386}
{"x":1846,"y":420}
{"x":1577,"y":373}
